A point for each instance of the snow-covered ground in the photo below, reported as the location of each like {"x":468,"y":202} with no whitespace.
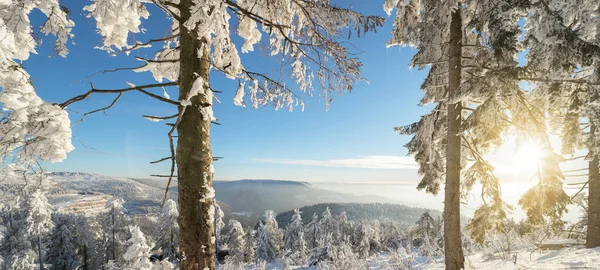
{"x":566,"y":258}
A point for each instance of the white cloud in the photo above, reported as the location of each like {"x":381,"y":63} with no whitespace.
{"x":366,"y":162}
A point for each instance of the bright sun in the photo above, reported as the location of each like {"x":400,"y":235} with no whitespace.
{"x":527,"y":157}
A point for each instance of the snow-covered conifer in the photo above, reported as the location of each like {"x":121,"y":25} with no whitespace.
{"x":114,"y":224}
{"x":343,"y":227}
{"x":137,"y":254}
{"x":362,"y":235}
{"x":88,"y":234}
{"x":62,"y":253}
{"x":328,"y":223}
{"x":168,"y":239}
{"x":463,"y":45}
{"x":313,"y":232}
{"x":236,"y":242}
{"x":249,"y":245}
{"x":38,"y":220}
{"x":16,"y":247}
{"x":265,"y":247}
{"x":324,"y":252}
{"x":273,"y":229}
{"x":293,"y":239}
{"x":219,"y":225}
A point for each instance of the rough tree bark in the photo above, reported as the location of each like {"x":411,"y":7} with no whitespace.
{"x":452,"y":237}
{"x":193,"y":155}
{"x":593,"y":226}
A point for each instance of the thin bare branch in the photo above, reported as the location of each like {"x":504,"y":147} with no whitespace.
{"x":99,"y":110}
{"x":139,"y":88}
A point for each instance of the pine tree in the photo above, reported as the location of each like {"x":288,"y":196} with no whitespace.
{"x":236,"y":241}
{"x":265,"y":248}
{"x":324,"y":252}
{"x":16,"y":248}
{"x":469,"y":46}
{"x":293,"y":239}
{"x":88,"y":233}
{"x":219,"y":225}
{"x":327,"y":223}
{"x":38,"y":220}
{"x":313,"y":232}
{"x":343,"y":227}
{"x":168,"y":239}
{"x":274,"y":232}
{"x":362,"y":246}
{"x":249,"y":245}
{"x":114,"y":224}
{"x":62,"y":253}
{"x":566,"y":88}
{"x":137,"y":254}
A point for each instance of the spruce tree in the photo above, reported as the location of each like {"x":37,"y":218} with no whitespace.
{"x":38,"y":221}
{"x":236,"y":242}
{"x":137,"y":254}
{"x":62,"y":250}
{"x":293,"y":239}
{"x":168,"y":239}
{"x":219,"y":225}
{"x":471,"y":50}
{"x":114,"y":224}
{"x":563,"y":69}
{"x":313,"y":232}
{"x":274,"y":233}
{"x":249,"y":245}
{"x":266,"y":250}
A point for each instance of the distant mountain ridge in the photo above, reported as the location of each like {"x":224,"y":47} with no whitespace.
{"x":244,"y":200}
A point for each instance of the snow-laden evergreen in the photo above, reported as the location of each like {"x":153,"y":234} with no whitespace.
{"x":313,"y":232}
{"x":114,"y":224}
{"x":62,"y":249}
{"x":275,"y":234}
{"x":265,"y":247}
{"x":293,"y":239}
{"x":38,"y":220}
{"x":137,"y":254}
{"x":168,"y":239}
{"x":249,"y":245}
{"x":236,"y":241}
{"x":17,"y":250}
{"x":219,"y":225}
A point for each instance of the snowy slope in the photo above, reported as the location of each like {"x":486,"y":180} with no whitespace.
{"x":566,"y":258}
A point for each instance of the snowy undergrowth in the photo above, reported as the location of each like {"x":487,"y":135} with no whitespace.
{"x":566,"y":258}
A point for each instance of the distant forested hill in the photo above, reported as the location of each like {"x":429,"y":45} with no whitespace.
{"x":356,"y":211}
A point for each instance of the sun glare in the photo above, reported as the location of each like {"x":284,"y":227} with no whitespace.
{"x":527,"y":157}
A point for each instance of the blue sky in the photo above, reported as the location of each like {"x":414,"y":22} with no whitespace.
{"x":353,"y":141}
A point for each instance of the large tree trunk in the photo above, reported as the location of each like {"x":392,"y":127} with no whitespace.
{"x":452,"y":236}
{"x":593,"y":226}
{"x":194,"y":156}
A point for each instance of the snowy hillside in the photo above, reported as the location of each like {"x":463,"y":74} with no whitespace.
{"x":244,"y":200}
